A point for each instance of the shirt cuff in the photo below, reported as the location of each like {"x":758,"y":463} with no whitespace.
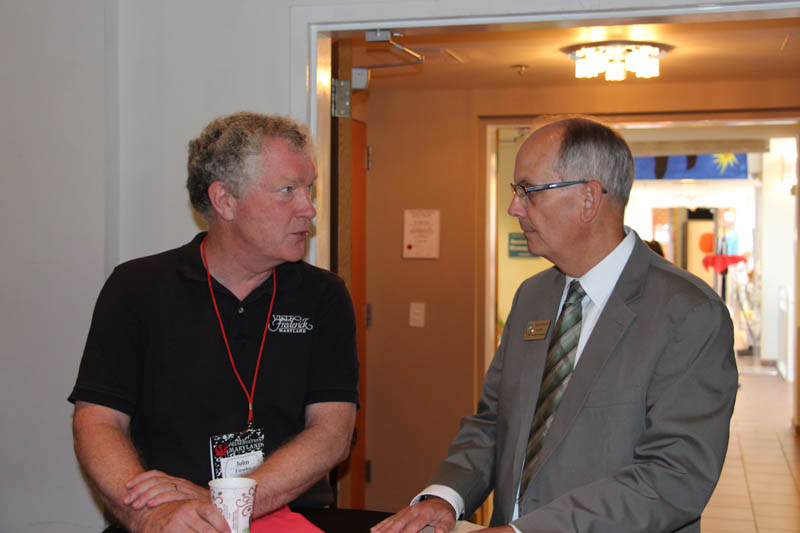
{"x":447,"y":494}
{"x":516,"y":530}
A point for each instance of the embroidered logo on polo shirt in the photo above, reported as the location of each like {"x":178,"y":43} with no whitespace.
{"x":290,"y":324}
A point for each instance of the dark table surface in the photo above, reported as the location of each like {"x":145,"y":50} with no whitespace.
{"x":343,"y":520}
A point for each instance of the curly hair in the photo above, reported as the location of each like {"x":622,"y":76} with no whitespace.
{"x":228,"y":148}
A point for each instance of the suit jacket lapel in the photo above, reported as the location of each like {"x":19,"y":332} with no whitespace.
{"x":614,"y":321}
{"x":546,"y":304}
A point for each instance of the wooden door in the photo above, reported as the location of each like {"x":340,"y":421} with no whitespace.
{"x":348,"y":259}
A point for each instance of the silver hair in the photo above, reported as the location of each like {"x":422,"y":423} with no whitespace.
{"x":227,"y":151}
{"x":591,"y":150}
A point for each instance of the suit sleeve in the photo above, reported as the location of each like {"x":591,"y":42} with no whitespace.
{"x":679,"y":456}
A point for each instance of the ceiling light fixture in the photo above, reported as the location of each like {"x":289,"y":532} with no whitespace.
{"x":616,"y":58}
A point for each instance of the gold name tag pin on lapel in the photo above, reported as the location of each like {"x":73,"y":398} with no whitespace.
{"x":536,"y":330}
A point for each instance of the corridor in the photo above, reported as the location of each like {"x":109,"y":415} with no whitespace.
{"x":759,"y":491}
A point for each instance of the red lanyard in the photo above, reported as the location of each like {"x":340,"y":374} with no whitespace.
{"x":225,"y":337}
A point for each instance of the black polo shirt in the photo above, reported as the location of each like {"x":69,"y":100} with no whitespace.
{"x":156,"y":353}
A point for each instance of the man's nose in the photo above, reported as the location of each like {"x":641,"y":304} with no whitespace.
{"x":307,"y":209}
{"x":516,"y":207}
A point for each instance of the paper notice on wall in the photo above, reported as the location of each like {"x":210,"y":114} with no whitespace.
{"x":421,"y":234}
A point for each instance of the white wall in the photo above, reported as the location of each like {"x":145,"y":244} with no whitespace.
{"x":183,"y":63}
{"x":777,"y":228}
{"x":53,"y":219}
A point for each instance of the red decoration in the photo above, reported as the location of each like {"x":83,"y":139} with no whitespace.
{"x":720,"y":262}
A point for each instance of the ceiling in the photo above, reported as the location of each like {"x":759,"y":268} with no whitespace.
{"x":474,"y":58}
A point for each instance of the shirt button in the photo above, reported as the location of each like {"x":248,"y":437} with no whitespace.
{"x":241,"y":310}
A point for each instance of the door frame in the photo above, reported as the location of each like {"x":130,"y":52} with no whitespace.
{"x":312,"y":29}
{"x":760,"y":123}
{"x":311,"y":32}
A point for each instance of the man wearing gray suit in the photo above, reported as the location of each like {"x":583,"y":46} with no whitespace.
{"x":606,"y":408}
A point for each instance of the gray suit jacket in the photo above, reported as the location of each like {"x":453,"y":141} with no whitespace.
{"x":638,"y":441}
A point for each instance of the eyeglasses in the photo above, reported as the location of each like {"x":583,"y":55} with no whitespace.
{"x":521,"y":191}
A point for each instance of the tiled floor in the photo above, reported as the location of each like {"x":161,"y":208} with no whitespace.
{"x":759,"y":491}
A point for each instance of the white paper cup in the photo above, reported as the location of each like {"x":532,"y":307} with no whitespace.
{"x":234,"y":498}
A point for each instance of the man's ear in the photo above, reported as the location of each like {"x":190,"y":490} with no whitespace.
{"x":222,"y":200}
{"x":592,"y":198}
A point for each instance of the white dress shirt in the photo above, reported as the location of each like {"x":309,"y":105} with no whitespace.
{"x":598,"y":283}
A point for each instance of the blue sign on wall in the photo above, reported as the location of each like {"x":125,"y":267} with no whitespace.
{"x":518,"y":245}
{"x":699,"y":167}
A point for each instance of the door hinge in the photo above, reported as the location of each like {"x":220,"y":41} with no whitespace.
{"x":340,"y":98}
{"x":368,"y":162}
{"x":368,"y":315}
{"x":367,"y":471}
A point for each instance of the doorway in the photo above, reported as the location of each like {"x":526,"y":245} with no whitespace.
{"x":732,"y":233}
{"x":417,"y":424}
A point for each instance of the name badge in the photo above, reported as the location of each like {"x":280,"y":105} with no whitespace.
{"x":236,"y":454}
{"x":536,"y":330}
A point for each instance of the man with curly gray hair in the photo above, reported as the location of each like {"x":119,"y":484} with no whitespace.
{"x":227,"y":148}
{"x":228,"y":356}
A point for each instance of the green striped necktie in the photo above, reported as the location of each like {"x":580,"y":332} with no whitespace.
{"x":558,"y":368}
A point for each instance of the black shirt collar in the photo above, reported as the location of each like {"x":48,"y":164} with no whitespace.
{"x":190,"y":266}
